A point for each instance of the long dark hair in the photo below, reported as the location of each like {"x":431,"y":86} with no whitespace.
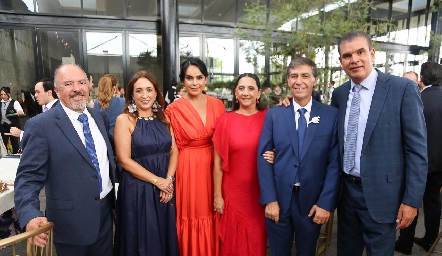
{"x":259,"y":106}
{"x":130,"y":90}
{"x":195,"y":62}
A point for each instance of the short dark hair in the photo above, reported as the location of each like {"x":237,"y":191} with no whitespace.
{"x":6,"y":89}
{"x":259,"y":106}
{"x":350,"y":36}
{"x":300,"y":61}
{"x":48,"y":84}
{"x":332,"y":82}
{"x":195,"y":62}
{"x":431,"y":73}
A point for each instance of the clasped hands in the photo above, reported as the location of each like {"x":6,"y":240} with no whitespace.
{"x":166,"y":189}
{"x":321,"y":216}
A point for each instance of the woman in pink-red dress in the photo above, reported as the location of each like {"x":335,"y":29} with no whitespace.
{"x":236,"y":187}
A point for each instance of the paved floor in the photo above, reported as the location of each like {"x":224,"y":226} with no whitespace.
{"x":417,"y":250}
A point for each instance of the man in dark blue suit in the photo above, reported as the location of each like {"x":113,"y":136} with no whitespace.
{"x":383,"y":146}
{"x":73,"y":159}
{"x":299,"y":190}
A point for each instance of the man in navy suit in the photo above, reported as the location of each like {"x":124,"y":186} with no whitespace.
{"x":431,"y":98}
{"x":299,"y":190}
{"x":383,"y":150}
{"x":58,"y":155}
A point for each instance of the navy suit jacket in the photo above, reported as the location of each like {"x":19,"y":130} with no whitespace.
{"x":318,"y":164}
{"x":431,"y":98}
{"x":394,"y":149}
{"x":54,"y":157}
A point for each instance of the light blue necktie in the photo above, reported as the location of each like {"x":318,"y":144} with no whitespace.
{"x":352,"y":130}
{"x":90,"y":146}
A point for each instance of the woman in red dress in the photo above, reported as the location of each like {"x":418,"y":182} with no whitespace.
{"x":236,"y":187}
{"x":193,"y":118}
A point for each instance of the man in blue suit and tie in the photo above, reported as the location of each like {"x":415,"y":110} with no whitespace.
{"x":299,"y":190}
{"x":383,"y":148}
{"x":67,"y":151}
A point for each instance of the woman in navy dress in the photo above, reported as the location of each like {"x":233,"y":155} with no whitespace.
{"x":146,"y":150}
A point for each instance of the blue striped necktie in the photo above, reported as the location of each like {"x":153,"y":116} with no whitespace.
{"x":90,"y":146}
{"x":352,"y":130}
{"x":302,"y":128}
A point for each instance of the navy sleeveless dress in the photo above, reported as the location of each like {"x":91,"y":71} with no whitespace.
{"x":144,"y":225}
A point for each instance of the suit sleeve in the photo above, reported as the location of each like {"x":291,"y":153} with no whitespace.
{"x":31,"y":173}
{"x":265,"y":169}
{"x":414,"y":136}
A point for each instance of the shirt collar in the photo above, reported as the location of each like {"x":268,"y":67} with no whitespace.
{"x":307,"y":107}
{"x":50,"y":104}
{"x":428,"y":86}
{"x":7,"y":100}
{"x":72,"y":114}
{"x":369,"y":82}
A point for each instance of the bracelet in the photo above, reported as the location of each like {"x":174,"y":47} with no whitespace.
{"x":170,"y":177}
{"x":154,"y":181}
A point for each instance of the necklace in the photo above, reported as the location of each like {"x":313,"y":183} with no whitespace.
{"x":148,"y":117}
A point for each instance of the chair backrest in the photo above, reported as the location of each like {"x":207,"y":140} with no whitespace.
{"x":32,"y":250}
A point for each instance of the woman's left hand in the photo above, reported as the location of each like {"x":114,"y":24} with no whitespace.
{"x":269,"y":156}
{"x":165,"y":197}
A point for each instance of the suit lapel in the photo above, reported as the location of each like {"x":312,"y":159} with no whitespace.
{"x":289,"y":116}
{"x":311,"y":129}
{"x":376,"y":106}
{"x":69,"y":131}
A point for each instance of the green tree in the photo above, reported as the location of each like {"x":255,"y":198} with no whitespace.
{"x":301,"y":27}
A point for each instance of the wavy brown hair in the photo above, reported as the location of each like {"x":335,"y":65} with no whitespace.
{"x":105,"y":93}
{"x":130,"y":90}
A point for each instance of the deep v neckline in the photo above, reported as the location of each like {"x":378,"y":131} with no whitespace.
{"x":196,"y":111}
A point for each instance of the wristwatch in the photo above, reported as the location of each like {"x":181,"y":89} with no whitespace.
{"x":172,"y":178}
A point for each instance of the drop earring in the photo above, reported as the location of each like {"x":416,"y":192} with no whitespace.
{"x":132,"y":107}
{"x":156,"y":106}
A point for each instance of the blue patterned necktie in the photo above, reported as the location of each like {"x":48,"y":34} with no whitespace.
{"x":352,"y":130}
{"x":302,"y":128}
{"x":90,"y":145}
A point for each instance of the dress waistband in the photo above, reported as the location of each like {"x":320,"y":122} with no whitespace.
{"x":201,"y":143}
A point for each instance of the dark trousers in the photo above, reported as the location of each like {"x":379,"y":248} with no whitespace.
{"x":356,"y":228}
{"x":15,"y":142}
{"x":281,"y":234}
{"x":432,"y":213}
{"x":102,"y":246}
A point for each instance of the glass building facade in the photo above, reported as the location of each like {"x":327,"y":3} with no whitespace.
{"x":123,"y":36}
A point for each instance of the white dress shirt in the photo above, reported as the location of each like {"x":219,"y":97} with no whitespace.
{"x":366,"y":93}
{"x":100,"y":145}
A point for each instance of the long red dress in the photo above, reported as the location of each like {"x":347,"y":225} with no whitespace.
{"x":242,"y":224}
{"x":197,"y":223}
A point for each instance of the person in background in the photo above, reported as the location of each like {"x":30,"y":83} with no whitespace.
{"x":431,"y":75}
{"x":235,"y":174}
{"x":121,"y":89}
{"x":90,"y":80}
{"x":331,"y":88}
{"x":299,"y":190}
{"x":414,"y":77}
{"x":276,"y":97}
{"x":180,"y":92}
{"x":170,"y":95}
{"x":9,"y":117}
{"x":106,"y":102}
{"x":67,"y":151}
{"x":193,"y":118}
{"x":146,"y":150}
{"x":316,"y":95}
{"x":45,"y":96}
{"x":383,"y":147}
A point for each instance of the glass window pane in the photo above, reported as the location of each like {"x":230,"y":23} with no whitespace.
{"x":18,"y":6}
{"x":17,"y":66}
{"x":220,"y":58}
{"x":58,"y":47}
{"x":145,"y":55}
{"x":59,"y":7}
{"x":189,"y":11}
{"x":251,"y":57}
{"x":242,"y":14}
{"x":189,"y":47}
{"x":112,"y":8}
{"x":143,"y":9}
{"x":104,"y":55}
{"x":220,"y":12}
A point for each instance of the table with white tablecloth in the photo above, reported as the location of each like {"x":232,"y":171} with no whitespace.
{"x":8,"y":171}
